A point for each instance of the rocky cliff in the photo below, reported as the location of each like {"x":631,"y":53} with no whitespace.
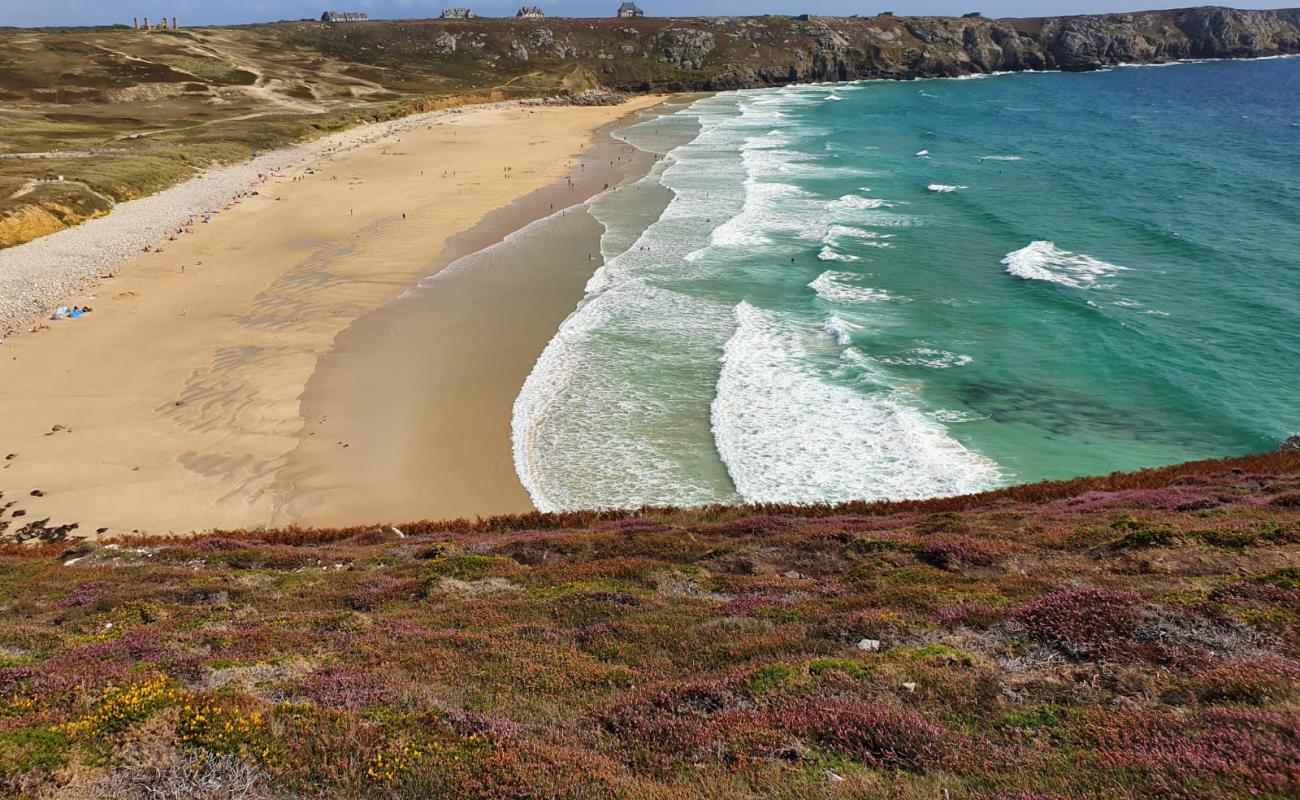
{"x":738,"y":52}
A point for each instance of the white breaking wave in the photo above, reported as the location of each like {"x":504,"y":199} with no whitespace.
{"x":837,"y":286}
{"x":1000,"y":158}
{"x":1044,"y":261}
{"x":841,"y":329}
{"x":829,"y":253}
{"x":856,"y":233}
{"x":835,"y":233}
{"x":928,"y":357}
{"x":787,"y":434}
{"x":943,"y":187}
{"x":591,"y":427}
{"x":857,"y":201}
{"x":884,"y":219}
{"x":950,"y":416}
{"x":844,"y":287}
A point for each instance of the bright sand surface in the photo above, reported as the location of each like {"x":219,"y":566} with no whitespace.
{"x":177,"y":404}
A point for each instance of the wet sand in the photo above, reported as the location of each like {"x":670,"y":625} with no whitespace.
{"x":176,"y":404}
{"x":421,"y":390}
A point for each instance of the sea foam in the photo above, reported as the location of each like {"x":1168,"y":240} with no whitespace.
{"x":788,"y":433}
{"x":845,"y":287}
{"x":857,"y":201}
{"x":828,"y":253}
{"x":1044,"y":261}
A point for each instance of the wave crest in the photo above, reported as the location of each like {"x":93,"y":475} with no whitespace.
{"x":1044,"y":261}
{"x":786,"y":434}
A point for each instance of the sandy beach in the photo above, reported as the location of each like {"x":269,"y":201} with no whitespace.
{"x":177,"y":404}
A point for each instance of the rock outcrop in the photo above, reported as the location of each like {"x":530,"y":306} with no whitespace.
{"x":750,"y":53}
{"x":666,"y":54}
{"x":685,"y":48}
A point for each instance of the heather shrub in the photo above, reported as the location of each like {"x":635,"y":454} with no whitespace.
{"x":1254,"y":751}
{"x":465,"y":567}
{"x":601,"y":655}
{"x":538,"y":771}
{"x":1169,"y":498}
{"x":1083,"y":623}
{"x":947,"y":522}
{"x":1250,"y":682}
{"x":968,"y":614}
{"x":852,"y":626}
{"x":753,"y":526}
{"x":1287,"y":500}
{"x":84,"y":594}
{"x":1238,"y":539}
{"x":874,"y":734}
{"x":1138,"y":534}
{"x":217,"y":544}
{"x":883,"y":543}
{"x":630,"y":526}
{"x":670,"y":723}
{"x":951,"y":552}
{"x":341,"y":686}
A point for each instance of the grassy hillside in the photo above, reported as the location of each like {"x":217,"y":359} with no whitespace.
{"x":1135,"y":636}
{"x":124,"y":113}
{"x":121,"y":114}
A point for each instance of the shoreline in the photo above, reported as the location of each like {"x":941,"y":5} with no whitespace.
{"x":175,"y":405}
{"x":452,"y":354}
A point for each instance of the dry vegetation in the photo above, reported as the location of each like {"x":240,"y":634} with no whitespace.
{"x":121,"y":114}
{"x":1130,"y":636}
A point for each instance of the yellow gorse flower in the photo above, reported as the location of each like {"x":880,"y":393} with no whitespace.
{"x":385,"y":767}
{"x":121,"y":706}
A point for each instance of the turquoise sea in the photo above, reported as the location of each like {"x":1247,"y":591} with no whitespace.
{"x":909,"y":289}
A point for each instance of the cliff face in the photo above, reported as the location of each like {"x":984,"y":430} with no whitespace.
{"x":827,"y":49}
{"x":740,"y":52}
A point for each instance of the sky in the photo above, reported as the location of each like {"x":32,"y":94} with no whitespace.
{"x":226,"y":12}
